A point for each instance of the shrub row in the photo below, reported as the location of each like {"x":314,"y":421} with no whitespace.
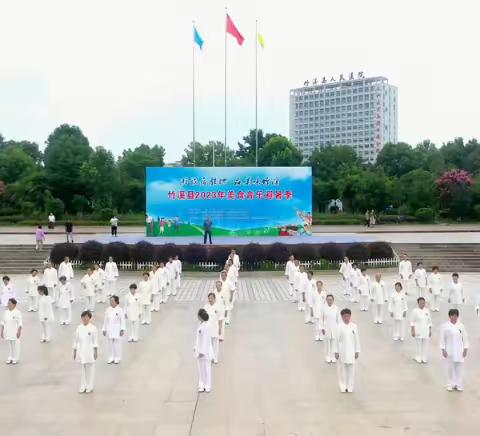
{"x":143,"y":251}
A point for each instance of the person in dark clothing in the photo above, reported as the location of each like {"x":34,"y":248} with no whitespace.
{"x":207,"y":227}
{"x":69,"y":231}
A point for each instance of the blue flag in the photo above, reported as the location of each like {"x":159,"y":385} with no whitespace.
{"x":197,"y":38}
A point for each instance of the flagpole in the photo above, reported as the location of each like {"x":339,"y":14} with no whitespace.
{"x":256,"y":93}
{"x":225,"y":115}
{"x":193,"y":94}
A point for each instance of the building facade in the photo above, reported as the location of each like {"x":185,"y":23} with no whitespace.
{"x":361,"y":112}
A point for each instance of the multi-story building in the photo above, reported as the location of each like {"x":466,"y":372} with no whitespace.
{"x":361,"y":112}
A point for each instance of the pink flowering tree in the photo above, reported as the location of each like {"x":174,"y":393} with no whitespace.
{"x":455,"y":192}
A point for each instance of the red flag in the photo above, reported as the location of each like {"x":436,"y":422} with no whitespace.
{"x":233,"y":31}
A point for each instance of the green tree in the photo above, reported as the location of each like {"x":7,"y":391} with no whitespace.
{"x":454,"y":153}
{"x":417,"y":188}
{"x":30,"y":148}
{"x":67,"y":149}
{"x":329,"y":162}
{"x":323,"y":192}
{"x":204,"y":155}
{"x":246,"y":150}
{"x":397,"y":159}
{"x":30,"y":189}
{"x":15,"y":164}
{"x":279,"y":152}
{"x":429,"y":157}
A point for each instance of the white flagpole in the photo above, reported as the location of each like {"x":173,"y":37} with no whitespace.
{"x":193,"y":94}
{"x":225,"y":115}
{"x":256,"y":93}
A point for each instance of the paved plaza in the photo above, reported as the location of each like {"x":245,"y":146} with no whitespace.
{"x":271,"y":380}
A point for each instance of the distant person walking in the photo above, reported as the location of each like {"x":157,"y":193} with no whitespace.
{"x":39,"y":238}
{"x":51,"y":221}
{"x":114,"y":225}
{"x":69,"y":231}
{"x":367,"y":218}
{"x":207,"y":227}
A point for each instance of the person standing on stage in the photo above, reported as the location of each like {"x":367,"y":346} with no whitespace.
{"x":207,"y":227}
{"x":114,"y":225}
{"x":69,"y":231}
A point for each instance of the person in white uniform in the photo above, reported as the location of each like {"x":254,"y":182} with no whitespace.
{"x":66,"y":269}
{"x":397,"y":306}
{"x":235,"y":258}
{"x":7,"y":291}
{"x":133,"y":310}
{"x":50,"y":280}
{"x":113,"y":329}
{"x":364,"y":289}
{"x":345,"y":268}
{"x":145,"y":291}
{"x":162,"y":283}
{"x":354,"y":279}
{"x":421,"y":327}
{"x":221,"y":301}
{"x":330,"y":318}
{"x":378,"y":296}
{"x":155,"y":289}
{"x":65,"y":300}
{"x":310,"y":289}
{"x":228,"y":291}
{"x":111,"y":277}
{"x":405,"y":272}
{"x":435,"y":288}
{"x":454,"y":345}
{"x":172,"y":271}
{"x":85,"y":350}
{"x":214,"y":312}
{"x":11,"y":331}
{"x":290,"y":269}
{"x":99,"y":279}
{"x":300,"y":284}
{"x":178,"y":270}
{"x":319,"y":296}
{"x":420,"y":276}
{"x":33,"y":281}
{"x":88,"y":288}
{"x":456,"y":296}
{"x":347,"y":351}
{"x":203,"y":352}
{"x":45,"y":313}
{"x":232,"y":273}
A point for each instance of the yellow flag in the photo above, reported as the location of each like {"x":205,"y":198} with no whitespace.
{"x":261,"y":41}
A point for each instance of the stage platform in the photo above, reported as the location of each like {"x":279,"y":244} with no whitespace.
{"x":226,"y":241}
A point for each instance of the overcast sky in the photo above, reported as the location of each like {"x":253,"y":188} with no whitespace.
{"x":122,"y":70}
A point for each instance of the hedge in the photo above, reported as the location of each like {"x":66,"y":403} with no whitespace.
{"x":358,"y":252}
{"x":119,"y":251}
{"x":277,"y":252}
{"x":60,"y":251}
{"x":91,"y":251}
{"x":253,"y":253}
{"x":425,"y":215}
{"x":142,"y":251}
{"x":379,"y":250}
{"x":331,"y":251}
{"x":218,"y":255}
{"x":305,"y":252}
{"x":195,"y":253}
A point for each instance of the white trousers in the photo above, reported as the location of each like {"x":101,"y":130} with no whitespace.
{"x":33,"y":303}
{"x":56,"y":293}
{"x":66,"y":314}
{"x":176,"y":286}
{"x":364,"y":302}
{"x":378,"y":313}
{"x":308,"y":313}
{"x":146,"y":314}
{"x":157,"y":299}
{"x":421,"y":291}
{"x":317,"y":331}
{"x":90,"y":303}
{"x":435,"y":302}
{"x":346,"y":287}
{"x":346,"y":376}
{"x":110,"y":288}
{"x":204,"y":373}
{"x":101,"y":295}
{"x":87,"y":376}
{"x":455,"y":372}
{"x":398,"y":329}
{"x":355,"y":295}
{"x":421,"y":350}
{"x":14,"y":350}
{"x":290,"y":288}
{"x":163,"y":295}
{"x":300,"y":300}
{"x":46,"y":328}
{"x":405,"y":284}
{"x":216,"y":349}
{"x":133,"y":329}
{"x":328,"y":343}
{"x":115,"y":349}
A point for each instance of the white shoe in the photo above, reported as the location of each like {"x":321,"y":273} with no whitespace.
{"x":81,"y":390}
{"x":449,"y":389}
{"x":317,"y":338}
{"x":88,"y":391}
{"x":110,"y":361}
{"x":459,"y":389}
{"x":14,"y":362}
{"x":116,"y":362}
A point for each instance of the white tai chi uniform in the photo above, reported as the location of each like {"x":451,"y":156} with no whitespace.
{"x":420,"y":276}
{"x":50,"y":280}
{"x":330,"y":320}
{"x":421,"y":321}
{"x":12,"y":321}
{"x":45,"y":316}
{"x":310,"y":288}
{"x":456,"y":296}
{"x":155,"y":305}
{"x":346,"y":344}
{"x":32,"y":291}
{"x":378,"y":296}
{"x":162,"y":284}
{"x":318,"y":301}
{"x":172,"y":271}
{"x":228,"y":291}
{"x":454,"y":340}
{"x":300,"y":284}
{"x":65,"y":301}
{"x":178,"y":270}
{"x":397,"y":307}
{"x":435,"y":285}
{"x":145,"y":291}
{"x":65,"y":269}
{"x":236,"y":261}
{"x":345,"y":268}
{"x":99,"y":279}
{"x":111,"y":276}
{"x":133,"y":309}
{"x":405,"y":273}
{"x":7,"y":292}
{"x":204,"y":355}
{"x":213,"y":311}
{"x":354,"y":279}
{"x":85,"y":341}
{"x":113,"y":328}
{"x":88,"y":286}
{"x":221,"y":302}
{"x":290,"y":270}
{"x":364,"y":291}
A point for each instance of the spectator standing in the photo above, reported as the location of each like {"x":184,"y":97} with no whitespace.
{"x":114,"y":225}
{"x":367,"y":218}
{"x":207,"y":227}
{"x":39,"y":238}
{"x":69,"y":231}
{"x":51,"y":221}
